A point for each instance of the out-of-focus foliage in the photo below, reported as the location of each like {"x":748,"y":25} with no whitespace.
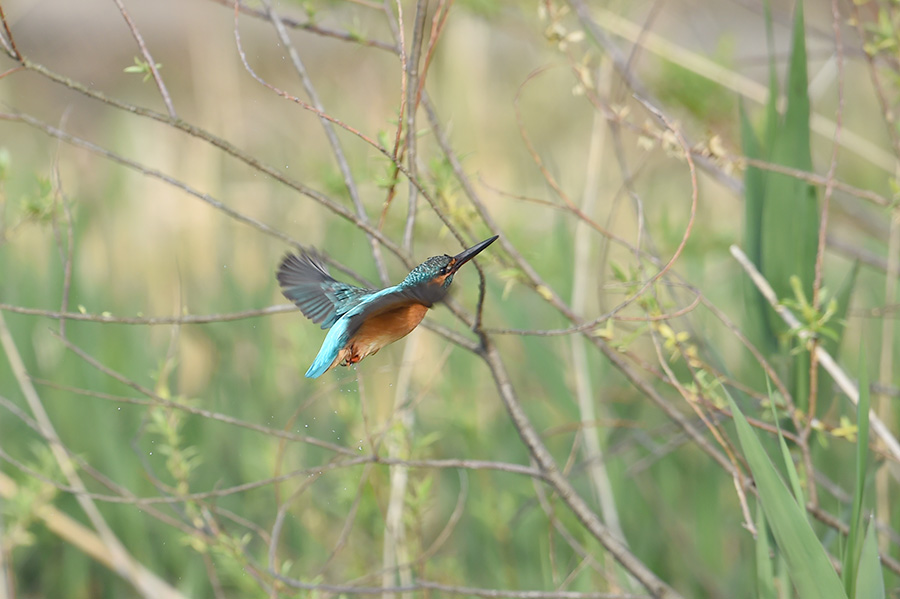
{"x":220,"y":468}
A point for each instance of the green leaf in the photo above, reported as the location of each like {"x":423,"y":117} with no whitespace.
{"x":772,"y":104}
{"x":781,"y":211}
{"x":796,"y":487}
{"x":808,"y":563}
{"x":765,"y":576}
{"x":786,"y":455}
{"x":870,"y":580}
{"x":758,"y":327}
{"x":790,"y":215}
{"x":754,"y":188}
{"x":854,"y":538}
{"x":141,"y":66}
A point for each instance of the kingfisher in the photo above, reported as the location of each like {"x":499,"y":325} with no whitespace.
{"x":361,"y":321}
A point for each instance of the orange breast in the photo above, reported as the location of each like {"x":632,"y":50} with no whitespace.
{"x":383,"y":329}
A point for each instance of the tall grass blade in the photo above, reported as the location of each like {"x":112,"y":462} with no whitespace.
{"x":869,"y":578}
{"x":765,"y":574}
{"x":854,"y":538}
{"x":772,"y":104}
{"x":794,"y":479}
{"x":808,"y":564}
{"x":757,"y":325}
{"x":790,"y":215}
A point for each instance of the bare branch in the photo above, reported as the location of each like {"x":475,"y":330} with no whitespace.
{"x":842,"y":380}
{"x":148,"y":59}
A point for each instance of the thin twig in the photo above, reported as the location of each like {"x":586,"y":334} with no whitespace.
{"x":395,"y":546}
{"x":9,"y":43}
{"x":67,"y":257}
{"x":582,"y":275}
{"x":840,"y":377}
{"x":67,"y":528}
{"x":215,"y":203}
{"x":331,"y":135}
{"x":820,"y":252}
{"x":148,"y":59}
{"x":107,"y":318}
{"x":654,"y":585}
{"x":125,"y":565}
{"x":708,"y":69}
{"x":310,"y":27}
{"x":412,"y":107}
{"x":428,"y":585}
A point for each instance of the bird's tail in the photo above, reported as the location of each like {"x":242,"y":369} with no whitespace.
{"x":331,"y":352}
{"x":319,"y":366}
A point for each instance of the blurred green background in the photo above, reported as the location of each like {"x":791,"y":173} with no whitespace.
{"x":144,"y":247}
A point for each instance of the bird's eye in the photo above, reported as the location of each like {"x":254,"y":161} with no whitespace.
{"x":446,"y":268}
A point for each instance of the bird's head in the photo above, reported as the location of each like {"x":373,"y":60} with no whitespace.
{"x":440,"y":269}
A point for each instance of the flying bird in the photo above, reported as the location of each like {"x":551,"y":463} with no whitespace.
{"x":361,"y":321}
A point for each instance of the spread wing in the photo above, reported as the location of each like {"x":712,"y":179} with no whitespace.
{"x":304,"y":280}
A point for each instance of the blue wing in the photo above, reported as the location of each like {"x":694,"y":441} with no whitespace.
{"x":304,"y":280}
{"x":374,"y":304}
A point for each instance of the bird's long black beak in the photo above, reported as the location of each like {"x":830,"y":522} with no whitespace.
{"x":466,"y":255}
